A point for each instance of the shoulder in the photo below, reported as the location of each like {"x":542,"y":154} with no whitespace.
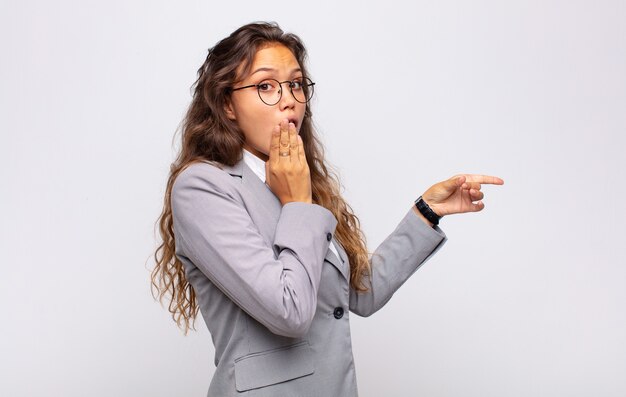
{"x":203,"y":175}
{"x":203,"y":188}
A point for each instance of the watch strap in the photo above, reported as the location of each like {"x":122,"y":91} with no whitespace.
{"x":425,"y":210}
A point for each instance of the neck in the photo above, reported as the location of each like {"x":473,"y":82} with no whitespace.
{"x":258,"y":154}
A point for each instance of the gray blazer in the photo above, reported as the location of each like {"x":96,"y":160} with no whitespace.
{"x":274,"y":297}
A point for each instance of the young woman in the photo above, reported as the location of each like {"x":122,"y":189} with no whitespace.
{"x":258,"y":238}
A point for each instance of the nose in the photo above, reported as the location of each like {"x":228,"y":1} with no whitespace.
{"x":287,"y":100}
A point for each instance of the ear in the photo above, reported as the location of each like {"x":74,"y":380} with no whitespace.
{"x":230,"y":112}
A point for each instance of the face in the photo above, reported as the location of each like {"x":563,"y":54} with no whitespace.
{"x":256,"y":119}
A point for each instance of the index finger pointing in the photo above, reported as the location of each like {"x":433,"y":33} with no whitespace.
{"x":484,"y":179}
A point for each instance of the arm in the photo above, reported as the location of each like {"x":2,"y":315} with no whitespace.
{"x":415,"y":240}
{"x":276,"y":284}
{"x":411,"y":244}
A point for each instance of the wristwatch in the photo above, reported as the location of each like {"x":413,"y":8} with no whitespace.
{"x":425,"y":210}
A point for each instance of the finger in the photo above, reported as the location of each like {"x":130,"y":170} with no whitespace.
{"x":476,"y":195}
{"x":479,"y":206}
{"x":274,"y":145}
{"x":485,"y":179}
{"x":284,"y":139}
{"x":293,"y":142}
{"x":301,"y":154}
{"x":471,"y":185}
{"x":267,"y":173}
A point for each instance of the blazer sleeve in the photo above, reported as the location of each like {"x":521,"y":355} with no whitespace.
{"x":410,"y":245}
{"x":275,"y":284}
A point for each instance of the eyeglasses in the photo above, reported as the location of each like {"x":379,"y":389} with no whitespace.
{"x":270,"y":90}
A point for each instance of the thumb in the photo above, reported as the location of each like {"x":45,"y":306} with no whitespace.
{"x":454,"y":182}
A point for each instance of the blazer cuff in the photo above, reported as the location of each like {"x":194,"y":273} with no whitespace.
{"x":433,"y":234}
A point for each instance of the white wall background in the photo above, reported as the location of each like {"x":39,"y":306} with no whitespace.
{"x":527,"y":298}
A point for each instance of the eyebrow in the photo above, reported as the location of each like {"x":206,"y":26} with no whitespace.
{"x":265,"y":69}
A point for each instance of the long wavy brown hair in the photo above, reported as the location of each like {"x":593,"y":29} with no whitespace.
{"x":209,"y":135}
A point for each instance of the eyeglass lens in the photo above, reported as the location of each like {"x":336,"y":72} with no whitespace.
{"x":270,"y":90}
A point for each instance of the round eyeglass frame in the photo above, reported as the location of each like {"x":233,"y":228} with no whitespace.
{"x":306,"y":82}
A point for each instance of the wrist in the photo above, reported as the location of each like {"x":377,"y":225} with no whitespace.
{"x":426,"y":211}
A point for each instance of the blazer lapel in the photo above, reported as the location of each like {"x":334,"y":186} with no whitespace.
{"x":259,"y":190}
{"x":272,"y":207}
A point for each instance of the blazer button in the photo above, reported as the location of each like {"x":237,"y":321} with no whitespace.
{"x":338,"y":313}
{"x":329,"y":236}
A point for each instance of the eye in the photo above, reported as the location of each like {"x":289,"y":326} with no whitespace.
{"x":296,"y":84}
{"x":266,"y":86}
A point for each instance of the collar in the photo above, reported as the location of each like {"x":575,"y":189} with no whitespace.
{"x":256,"y":164}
